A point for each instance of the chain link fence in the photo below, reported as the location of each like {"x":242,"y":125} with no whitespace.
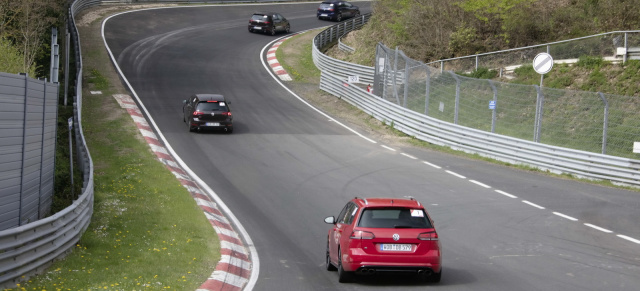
{"x":588,"y":121}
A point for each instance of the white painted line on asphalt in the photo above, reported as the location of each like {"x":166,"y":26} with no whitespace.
{"x":506,"y":194}
{"x":533,"y":204}
{"x":430,"y":164}
{"x":409,"y":156}
{"x":480,"y":184}
{"x":629,"y":239}
{"x":565,"y":216}
{"x":456,"y":174}
{"x":598,"y":228}
{"x":386,"y":147}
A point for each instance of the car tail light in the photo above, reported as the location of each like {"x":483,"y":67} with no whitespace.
{"x":267,"y":22}
{"x":359,"y":234}
{"x":432,"y":235}
{"x":197,"y":113}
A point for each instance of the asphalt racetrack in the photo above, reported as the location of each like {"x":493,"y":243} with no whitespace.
{"x":286,"y":167}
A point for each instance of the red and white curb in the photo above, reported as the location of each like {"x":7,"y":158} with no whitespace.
{"x":234,"y":268}
{"x":273,"y":61}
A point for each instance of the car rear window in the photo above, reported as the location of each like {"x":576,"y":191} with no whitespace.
{"x":259,"y":17}
{"x":326,"y":5}
{"x":212,"y":106}
{"x":394,"y":218}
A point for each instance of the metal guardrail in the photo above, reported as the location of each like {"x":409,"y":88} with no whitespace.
{"x":499,"y":147}
{"x":342,"y":46}
{"x":555,"y":159}
{"x":27,"y":250}
{"x":338,"y":67}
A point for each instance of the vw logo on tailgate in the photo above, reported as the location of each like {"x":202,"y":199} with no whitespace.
{"x":396,"y":236}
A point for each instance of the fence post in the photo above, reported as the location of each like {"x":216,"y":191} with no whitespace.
{"x":24,"y":140}
{"x":457,"y":107}
{"x":624,"y":57}
{"x":395,"y":78}
{"x":495,"y":100}
{"x":605,"y":124}
{"x":427,"y":93}
{"x":44,"y":120}
{"x":66,"y":66}
{"x":476,"y":62}
{"x":406,"y":81}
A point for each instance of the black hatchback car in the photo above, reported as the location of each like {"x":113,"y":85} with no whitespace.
{"x":268,"y":22}
{"x":207,"y":111}
{"x":337,"y":10}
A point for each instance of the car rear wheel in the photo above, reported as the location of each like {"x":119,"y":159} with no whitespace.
{"x":273,"y":30}
{"x":189,"y":125}
{"x":339,"y":17}
{"x":287,"y":28}
{"x":328,"y":264}
{"x":343,"y":276}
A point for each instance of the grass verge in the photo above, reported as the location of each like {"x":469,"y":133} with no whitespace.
{"x":147,"y":232}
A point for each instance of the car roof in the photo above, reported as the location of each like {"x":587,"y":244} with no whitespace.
{"x":264,"y":13}
{"x":387,"y":202}
{"x":210,"y":97}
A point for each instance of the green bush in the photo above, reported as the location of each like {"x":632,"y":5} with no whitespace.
{"x":11,"y":60}
{"x":589,"y":62}
{"x":482,"y":73}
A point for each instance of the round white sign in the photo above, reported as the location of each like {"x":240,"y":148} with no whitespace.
{"x":542,"y":63}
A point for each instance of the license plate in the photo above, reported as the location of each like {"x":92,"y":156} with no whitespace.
{"x":257,"y":27}
{"x":324,"y":15}
{"x":212,"y":124}
{"x":395,"y":247}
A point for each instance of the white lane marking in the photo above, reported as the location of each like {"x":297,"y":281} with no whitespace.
{"x":598,"y":228}
{"x":409,"y":156}
{"x":565,"y":216}
{"x":480,"y":184}
{"x":433,"y":165}
{"x":386,"y":147}
{"x":533,"y":204}
{"x":629,"y":238}
{"x":506,"y":194}
{"x":456,"y":174}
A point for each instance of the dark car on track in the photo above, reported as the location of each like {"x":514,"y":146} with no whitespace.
{"x":375,"y":235}
{"x":337,"y":10}
{"x":268,"y":22}
{"x":207,"y":111}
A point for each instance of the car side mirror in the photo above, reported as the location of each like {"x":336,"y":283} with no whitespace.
{"x":330,"y":220}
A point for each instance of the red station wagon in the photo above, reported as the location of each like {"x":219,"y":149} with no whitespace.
{"x":383,"y":235}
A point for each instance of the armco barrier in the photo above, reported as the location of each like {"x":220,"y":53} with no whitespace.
{"x":28,"y":249}
{"x":555,"y":159}
{"x":338,"y":67}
